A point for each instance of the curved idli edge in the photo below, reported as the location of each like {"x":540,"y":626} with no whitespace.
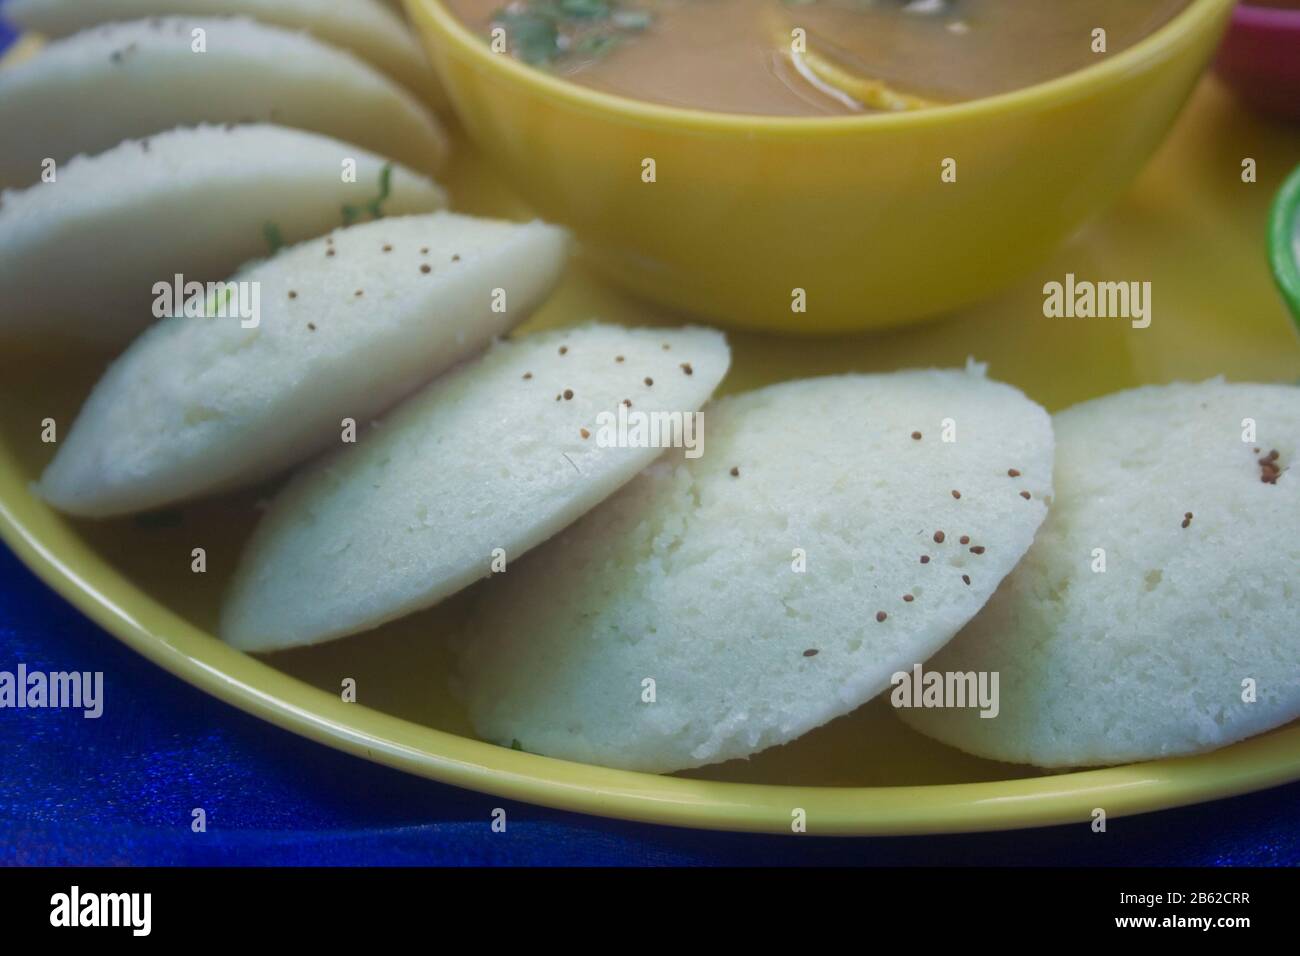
{"x":836,"y":531}
{"x":192,"y":202}
{"x":348,"y":324}
{"x":1156,"y":614}
{"x":90,"y":91}
{"x":477,"y":469}
{"x":368,"y":28}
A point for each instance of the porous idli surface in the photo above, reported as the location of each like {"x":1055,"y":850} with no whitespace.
{"x":720,"y":606}
{"x":478,"y":468}
{"x":349,"y":323}
{"x":88,"y":92}
{"x":368,"y":28}
{"x":79,"y":257}
{"x":1197,"y":608}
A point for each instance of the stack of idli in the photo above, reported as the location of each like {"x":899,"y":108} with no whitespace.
{"x":210,"y":181}
{"x":177,"y":140}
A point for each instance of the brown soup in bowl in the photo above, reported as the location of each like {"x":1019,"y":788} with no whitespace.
{"x":811,"y":57}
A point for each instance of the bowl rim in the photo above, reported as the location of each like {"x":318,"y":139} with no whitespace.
{"x":1283,"y":230}
{"x":433,"y":16}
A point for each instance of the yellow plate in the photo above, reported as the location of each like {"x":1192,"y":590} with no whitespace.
{"x":1191,"y":226}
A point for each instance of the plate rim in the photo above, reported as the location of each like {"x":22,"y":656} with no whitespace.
{"x":51,"y":548}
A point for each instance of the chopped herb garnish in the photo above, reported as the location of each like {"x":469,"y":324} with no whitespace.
{"x":541,"y":32}
{"x":534,"y":36}
{"x":273,"y":238}
{"x":375,"y":207}
{"x":596,"y":44}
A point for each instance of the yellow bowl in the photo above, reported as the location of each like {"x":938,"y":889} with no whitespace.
{"x":746,"y":209}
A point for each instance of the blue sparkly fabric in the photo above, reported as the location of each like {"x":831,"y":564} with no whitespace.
{"x":120,"y":789}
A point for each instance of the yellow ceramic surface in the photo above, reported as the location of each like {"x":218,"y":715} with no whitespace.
{"x":746,"y":209}
{"x":1190,"y":226}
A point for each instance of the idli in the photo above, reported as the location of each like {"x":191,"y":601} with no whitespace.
{"x":368,"y":28}
{"x":195,"y":202}
{"x":465,"y":477}
{"x":90,"y":91}
{"x":836,"y":531}
{"x":221,"y":395}
{"x":1157,"y":613}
